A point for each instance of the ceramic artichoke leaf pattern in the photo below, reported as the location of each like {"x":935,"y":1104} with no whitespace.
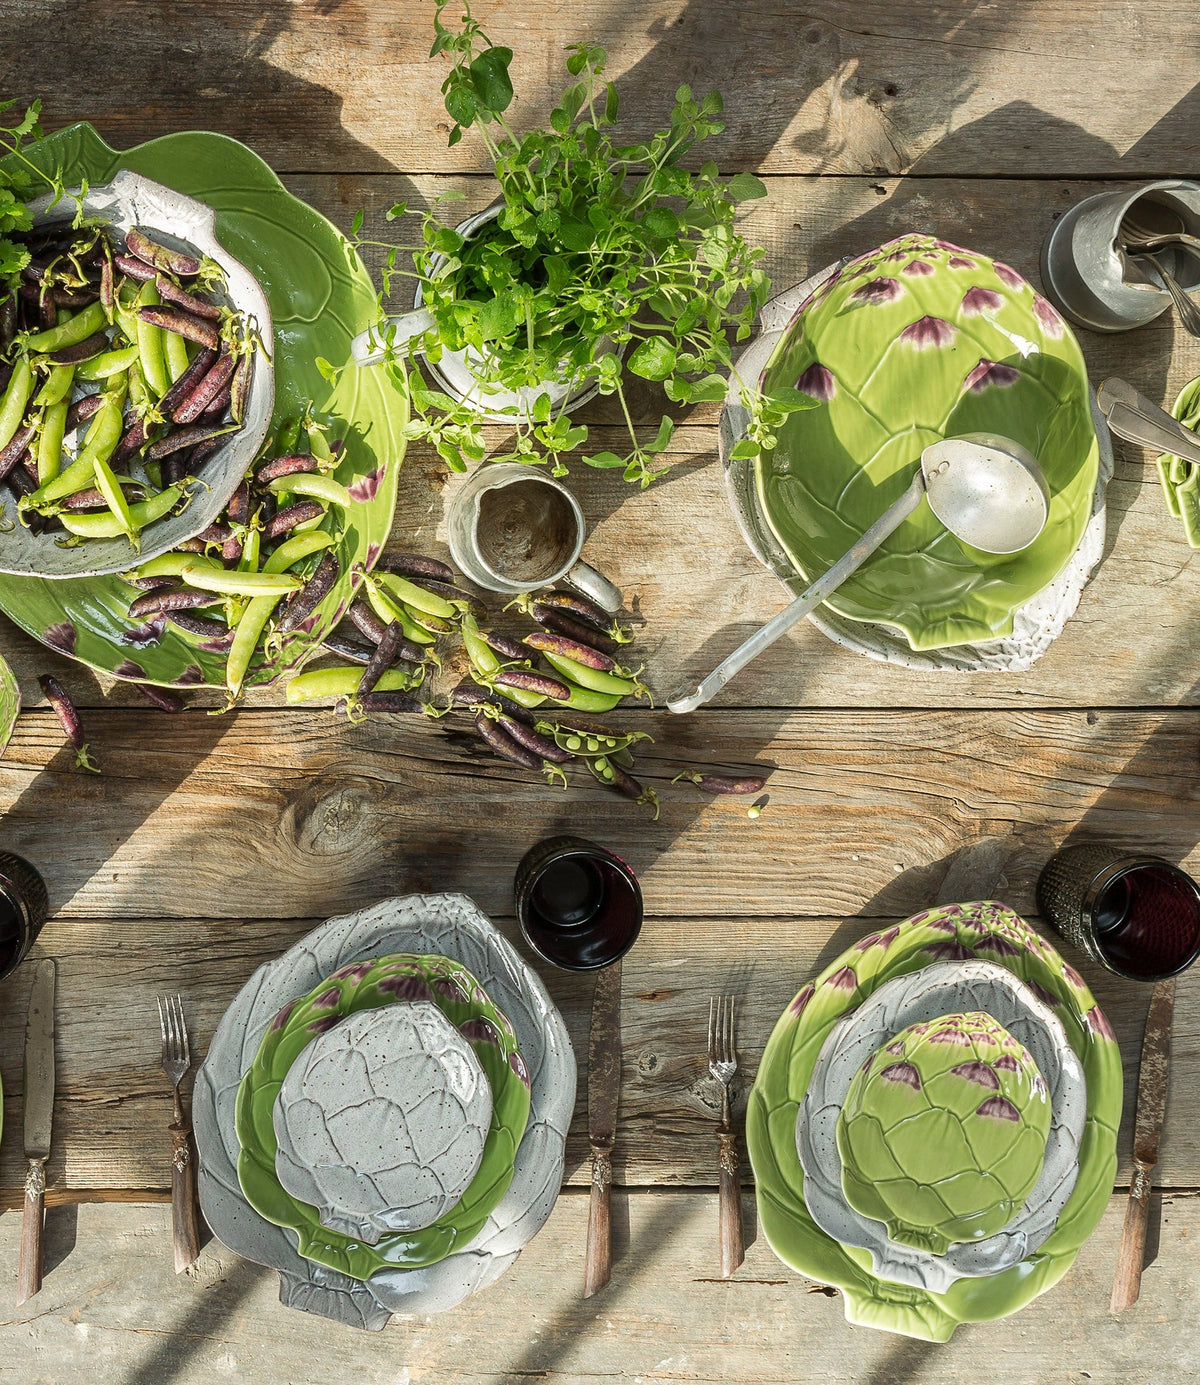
{"x":911,"y":343}
{"x":943,"y":1132}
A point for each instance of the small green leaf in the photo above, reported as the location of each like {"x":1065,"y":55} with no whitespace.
{"x":461,"y":105}
{"x":541,"y":408}
{"x":489,"y":77}
{"x":661,"y":222}
{"x":744,"y":451}
{"x":791,"y":400}
{"x":744,"y":186}
{"x":606,"y":461}
{"x":396,"y":212}
{"x":654,"y":359}
{"x":356,"y":224}
{"x":711,"y":390}
{"x":610,"y":103}
{"x":447,"y":241}
{"x":663,"y":437}
{"x":327,"y":370}
{"x":575,"y":235}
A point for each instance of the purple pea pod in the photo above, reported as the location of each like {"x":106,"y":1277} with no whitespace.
{"x":232,"y":549}
{"x":15,"y":449}
{"x":290,"y":465}
{"x":310,"y":596}
{"x":197,"y":329}
{"x":527,"y":680}
{"x":239,"y":390}
{"x":546,"y":643}
{"x":187,"y":382}
{"x":177,"y":467}
{"x":299,"y":513}
{"x":723,"y":783}
{"x":350,"y":650}
{"x":502,"y":645}
{"x":415,"y":565}
{"x":469,"y":694}
{"x":202,"y":626}
{"x":239,"y":504}
{"x":541,"y":746}
{"x":504,"y":745}
{"x":81,"y":351}
{"x":93,"y":499}
{"x":68,"y":719}
{"x":557,"y":620}
{"x":133,"y":268}
{"x":170,"y":292}
{"x":366,"y":622}
{"x":382,"y":659}
{"x":390,"y":702}
{"x":160,"y":256}
{"x":449,"y":592}
{"x":184,"y":437}
{"x":108,"y":293}
{"x":194,"y":404}
{"x":136,"y":437}
{"x":172,"y":599}
{"x":82,"y":410}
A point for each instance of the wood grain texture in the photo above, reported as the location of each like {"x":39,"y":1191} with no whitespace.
{"x":113,"y":1103}
{"x":111,"y":1310}
{"x":345,"y":85}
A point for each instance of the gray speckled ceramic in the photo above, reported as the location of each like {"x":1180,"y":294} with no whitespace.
{"x":183,"y":223}
{"x":929,"y":993}
{"x":382,"y":1121}
{"x":449,"y":925}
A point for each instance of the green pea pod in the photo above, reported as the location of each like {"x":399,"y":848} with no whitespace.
{"x":173,"y":564}
{"x":318,"y":444}
{"x":523,"y":697}
{"x":16,"y":396}
{"x":127,"y":321}
{"x":341,"y":682}
{"x":314,"y":485}
{"x":583,"y":699}
{"x":58,"y":385}
{"x":68,"y":333}
{"x":175,"y":353}
{"x":110,"y":363}
{"x":592,"y":678}
{"x":250,"y":550}
{"x":100,"y":441}
{"x":214,"y":579}
{"x":115,"y":499}
{"x":299,"y":546}
{"x":150,"y":345}
{"x":50,"y":439}
{"x":483,"y":657}
{"x":412,"y":595}
{"x":139,"y":392}
{"x":388,"y":610}
{"x":245,"y":640}
{"x":101,"y":526}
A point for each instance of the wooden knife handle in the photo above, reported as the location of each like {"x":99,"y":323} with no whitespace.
{"x":184,"y":1217}
{"x":29,"y":1270}
{"x":1127,"y":1283}
{"x":729,"y":1202}
{"x":599,"y":1235}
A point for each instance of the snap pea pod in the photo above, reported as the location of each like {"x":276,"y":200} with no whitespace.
{"x":317,"y":487}
{"x":388,"y":610}
{"x":299,"y":546}
{"x":173,"y":564}
{"x":250,"y":551}
{"x":16,"y":396}
{"x":176,"y":354}
{"x":102,"y":526}
{"x":483,"y":658}
{"x":101,"y":441}
{"x":245,"y":639}
{"x":150,"y":344}
{"x":417,"y":598}
{"x":114,"y":498}
{"x":595,"y":680}
{"x":58,"y":384}
{"x":214,"y":579}
{"x":68,"y":333}
{"x":50,"y":440}
{"x":108,"y":363}
{"x":342,"y":682}
{"x":588,"y":700}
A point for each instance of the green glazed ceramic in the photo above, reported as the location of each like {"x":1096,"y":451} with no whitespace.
{"x":321,"y":296}
{"x":364,"y":986}
{"x":943,"y":1132}
{"x":954,"y":932}
{"x":913,"y":342}
{"x":10,"y":703}
{"x":1181,"y":479}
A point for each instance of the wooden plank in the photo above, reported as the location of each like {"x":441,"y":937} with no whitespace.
{"x":111,"y":1309}
{"x":809,"y":88}
{"x":113,"y":1103}
{"x":291,"y":814}
{"x":676,"y":551}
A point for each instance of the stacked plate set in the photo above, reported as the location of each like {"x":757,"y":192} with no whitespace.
{"x":382,"y":1114}
{"x":933,"y":1126}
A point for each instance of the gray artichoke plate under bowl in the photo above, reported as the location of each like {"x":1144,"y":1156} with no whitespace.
{"x":181,"y":223}
{"x":448,"y":925}
{"x":927,"y":994}
{"x":1036,"y":624}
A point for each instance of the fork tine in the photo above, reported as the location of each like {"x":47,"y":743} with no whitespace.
{"x":731,"y":1056}
{"x":183,"y":1033}
{"x":162,"y":1020}
{"x":712,"y":1029}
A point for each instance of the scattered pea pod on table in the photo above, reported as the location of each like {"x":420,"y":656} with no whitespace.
{"x":131,"y":324}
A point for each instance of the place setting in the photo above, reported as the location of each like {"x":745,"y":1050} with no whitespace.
{"x":208,"y":393}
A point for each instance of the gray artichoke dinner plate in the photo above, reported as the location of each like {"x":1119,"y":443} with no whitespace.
{"x":448,"y":925}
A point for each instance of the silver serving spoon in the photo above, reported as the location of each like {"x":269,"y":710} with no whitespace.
{"x":988,"y":491}
{"x":1132,"y":416}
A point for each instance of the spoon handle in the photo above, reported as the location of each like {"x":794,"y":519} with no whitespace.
{"x":1133,"y":417}
{"x":688,"y":700}
{"x":1188,"y":312}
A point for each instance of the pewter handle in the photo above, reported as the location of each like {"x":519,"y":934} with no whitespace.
{"x":688,"y":700}
{"x":593,"y":584}
{"x":1132,"y":416}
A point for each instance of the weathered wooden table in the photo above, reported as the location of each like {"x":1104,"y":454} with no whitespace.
{"x":211,"y":843}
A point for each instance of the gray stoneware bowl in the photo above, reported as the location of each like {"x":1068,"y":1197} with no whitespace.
{"x":181,"y":223}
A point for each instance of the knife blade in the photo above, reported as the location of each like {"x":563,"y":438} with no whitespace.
{"x":604,"y":1091}
{"x":1147,"y":1131}
{"x":39,"y":1114}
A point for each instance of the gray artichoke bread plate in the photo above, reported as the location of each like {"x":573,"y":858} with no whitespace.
{"x":449,"y":925}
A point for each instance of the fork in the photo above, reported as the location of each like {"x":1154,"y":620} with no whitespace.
{"x":176,"y":1059}
{"x":722,"y":1064}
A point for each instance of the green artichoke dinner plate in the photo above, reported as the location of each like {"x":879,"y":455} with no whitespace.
{"x":913,"y":342}
{"x":10,"y":703}
{"x":954,"y":932}
{"x":320,"y":296}
{"x":363,"y":986}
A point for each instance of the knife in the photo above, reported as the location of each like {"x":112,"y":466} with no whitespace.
{"x":604,"y":1091}
{"x":39,"y":1112}
{"x":1147,"y":1128}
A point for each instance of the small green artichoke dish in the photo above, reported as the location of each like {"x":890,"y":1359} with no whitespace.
{"x":943,"y":1133}
{"x":910,"y":343}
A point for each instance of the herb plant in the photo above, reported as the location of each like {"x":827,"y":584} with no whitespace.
{"x":605,"y":257}
{"x":16,"y":185}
